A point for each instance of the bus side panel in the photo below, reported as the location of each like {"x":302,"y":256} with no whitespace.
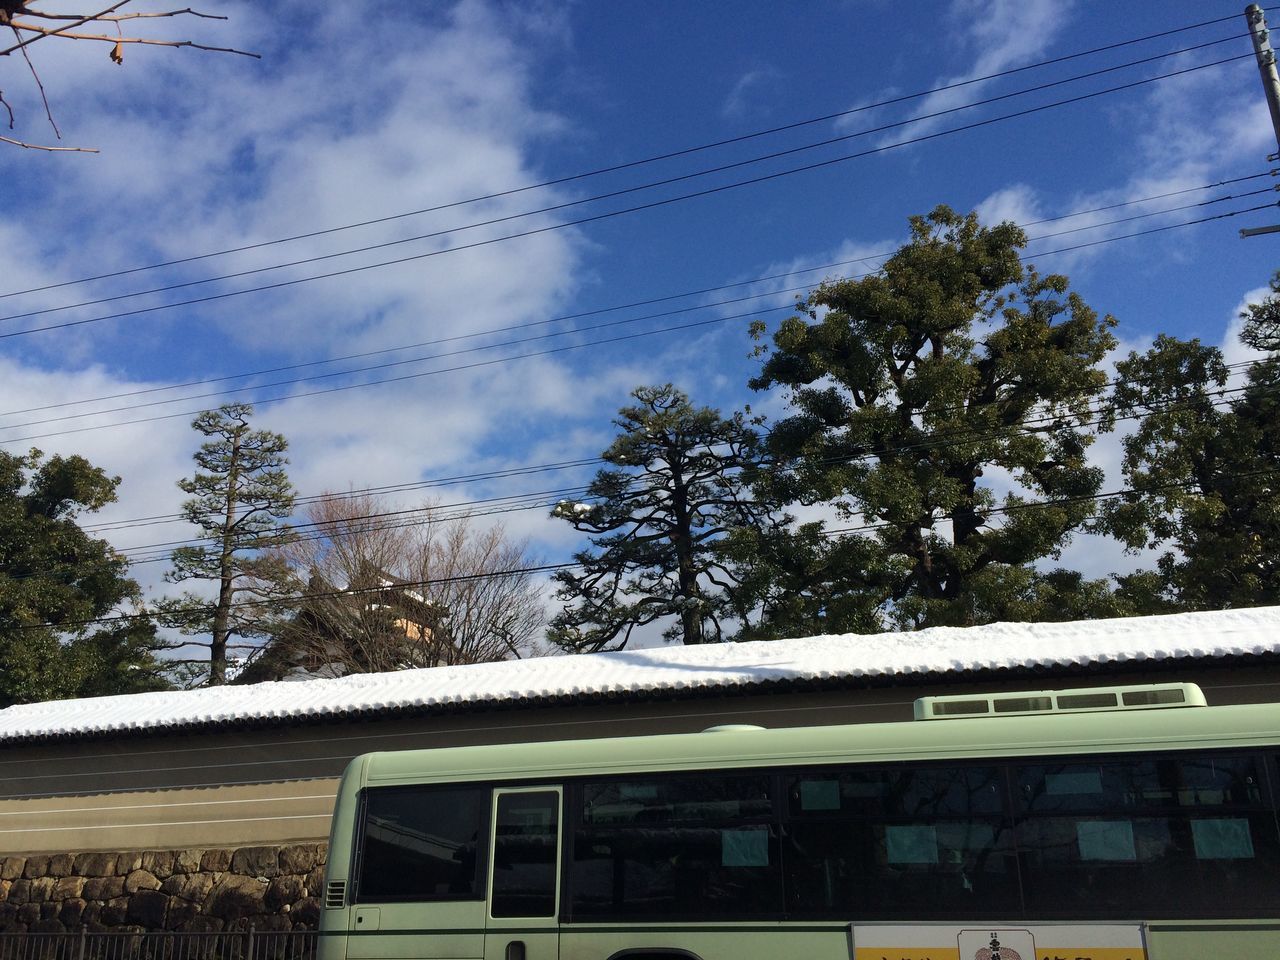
{"x":721,"y":942}
{"x":419,"y":931}
{"x":334,"y":920}
{"x":1195,"y":941}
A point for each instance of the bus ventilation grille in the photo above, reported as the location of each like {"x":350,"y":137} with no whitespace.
{"x":335,"y":894}
{"x":1137,"y":697}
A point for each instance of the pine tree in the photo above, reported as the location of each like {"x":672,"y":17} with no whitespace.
{"x":658,"y":518}
{"x":54,"y":578}
{"x":240,"y":496}
{"x":907,"y":389}
{"x":1203,"y":466}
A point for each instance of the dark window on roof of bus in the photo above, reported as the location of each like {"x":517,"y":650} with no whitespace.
{"x":684,"y":799}
{"x":423,"y":843}
{"x":933,"y":791}
{"x":1140,"y":783}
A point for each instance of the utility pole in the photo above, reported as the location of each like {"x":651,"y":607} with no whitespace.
{"x":1261,"y":36}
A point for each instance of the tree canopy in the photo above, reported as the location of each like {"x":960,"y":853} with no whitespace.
{"x":657,"y":517}
{"x":55,"y":579}
{"x":239,"y":497}
{"x":915,"y":396}
{"x":416,"y":588}
{"x":1202,"y":464}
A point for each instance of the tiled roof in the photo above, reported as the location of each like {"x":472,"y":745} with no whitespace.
{"x":669,"y":671}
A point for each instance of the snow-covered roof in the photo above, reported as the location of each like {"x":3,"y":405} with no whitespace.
{"x":668,"y":671}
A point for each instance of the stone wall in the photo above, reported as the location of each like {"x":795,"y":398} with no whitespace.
{"x":268,"y":888}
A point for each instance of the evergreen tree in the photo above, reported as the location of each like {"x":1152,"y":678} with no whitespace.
{"x":1203,"y":466}
{"x":53,"y":578}
{"x":657,"y":519}
{"x":909,"y":391}
{"x":240,"y":496}
{"x":1262,"y":320}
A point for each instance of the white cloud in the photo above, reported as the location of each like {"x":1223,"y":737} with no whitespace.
{"x":743,"y":100}
{"x":1001,"y":34}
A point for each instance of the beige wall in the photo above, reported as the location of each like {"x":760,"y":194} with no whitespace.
{"x":233,"y":788}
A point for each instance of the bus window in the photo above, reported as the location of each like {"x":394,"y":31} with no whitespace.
{"x":1147,"y":783}
{"x":526,"y":854}
{"x":899,"y":842}
{"x":421,"y":843}
{"x":701,"y":845}
{"x":1155,"y":836}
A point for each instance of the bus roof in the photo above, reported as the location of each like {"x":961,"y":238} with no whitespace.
{"x":1249,"y":725}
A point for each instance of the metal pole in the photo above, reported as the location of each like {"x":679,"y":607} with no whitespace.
{"x":1261,"y":36}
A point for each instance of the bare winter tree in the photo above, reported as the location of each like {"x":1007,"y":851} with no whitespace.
{"x":30,"y":21}
{"x":394,"y":590}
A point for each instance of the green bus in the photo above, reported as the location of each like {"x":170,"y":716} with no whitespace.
{"x":1117,"y":823}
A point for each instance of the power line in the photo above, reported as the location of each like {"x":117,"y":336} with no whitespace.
{"x":569,"y":347}
{"x":932,"y":441}
{"x":112,"y":526}
{"x":626,"y":191}
{"x":892,"y":101}
{"x":710,"y":191}
{"x":641,"y":303}
{"x":561,"y":333}
{"x":531,"y":570}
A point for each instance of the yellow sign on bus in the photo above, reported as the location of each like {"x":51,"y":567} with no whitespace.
{"x":939,"y":941}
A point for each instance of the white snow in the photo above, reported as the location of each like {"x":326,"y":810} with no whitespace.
{"x":718,"y":666}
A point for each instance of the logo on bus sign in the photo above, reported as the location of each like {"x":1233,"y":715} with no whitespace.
{"x":938,"y":941}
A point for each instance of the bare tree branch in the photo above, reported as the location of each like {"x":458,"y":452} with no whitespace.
{"x":105,"y":38}
{"x":118,"y":17}
{"x":25,"y":22}
{"x":43,"y":98}
{"x":52,"y":33}
{"x":39,"y":146}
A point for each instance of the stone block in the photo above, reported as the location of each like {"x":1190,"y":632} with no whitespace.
{"x":271,"y":923}
{"x":8,"y":915}
{"x":49,"y":910}
{"x":47,"y":925}
{"x":180,"y":913}
{"x":236,"y":897}
{"x":256,"y":862}
{"x":103,"y":888}
{"x":315,"y":882}
{"x":67,"y":888}
{"x":187,"y":861}
{"x":159,"y":863}
{"x":126,"y":863}
{"x":72,"y":912}
{"x":283,"y":891}
{"x":215,"y":861}
{"x":95,"y":865}
{"x":140,"y":880}
{"x":114,"y":912}
{"x":28,"y":913}
{"x":60,"y":865}
{"x":42,"y":889}
{"x":302,"y":857}
{"x":11,"y":867}
{"x":202,"y":923}
{"x":35,"y":867}
{"x":147,"y":909}
{"x":20,"y":891}
{"x":4,"y":889}
{"x":191,"y":886}
{"x":305,"y":914}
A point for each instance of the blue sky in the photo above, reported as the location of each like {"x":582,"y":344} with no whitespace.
{"x":357,"y":113}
